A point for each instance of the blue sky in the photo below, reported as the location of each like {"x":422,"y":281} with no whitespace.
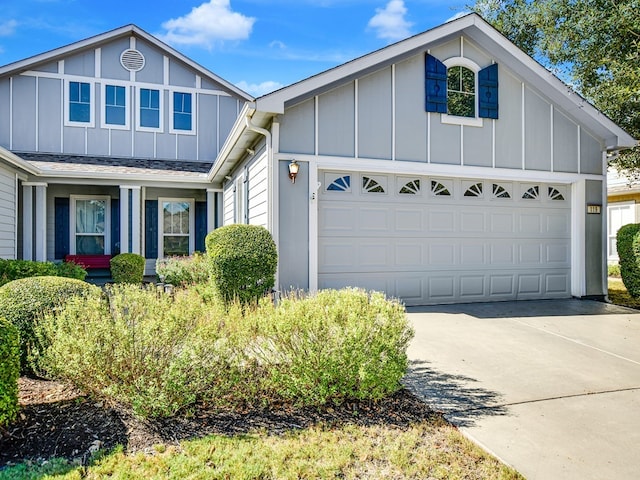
{"x":259,"y":45}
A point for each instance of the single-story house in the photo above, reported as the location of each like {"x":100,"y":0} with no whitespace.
{"x":448,"y":167}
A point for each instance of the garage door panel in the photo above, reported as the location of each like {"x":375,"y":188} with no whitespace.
{"x":472,"y":222}
{"x":472,"y":287}
{"x":441,"y":221}
{"x":427,"y":248}
{"x":442,"y":254}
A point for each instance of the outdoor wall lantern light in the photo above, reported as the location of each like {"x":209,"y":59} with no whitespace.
{"x":294,"y":168}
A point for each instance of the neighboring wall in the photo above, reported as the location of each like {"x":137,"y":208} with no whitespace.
{"x":382,"y":116}
{"x":32,"y":107}
{"x":7,"y":213}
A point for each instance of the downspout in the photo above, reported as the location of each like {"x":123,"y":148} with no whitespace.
{"x":267,"y":134}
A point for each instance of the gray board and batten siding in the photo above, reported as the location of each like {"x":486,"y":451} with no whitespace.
{"x":381,"y":116}
{"x":35,"y":121}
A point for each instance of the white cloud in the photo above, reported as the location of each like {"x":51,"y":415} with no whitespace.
{"x":8,"y":28}
{"x":390,"y":23}
{"x":207,"y":24}
{"x":259,"y":89}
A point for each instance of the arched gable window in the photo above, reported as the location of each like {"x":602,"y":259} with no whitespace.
{"x":461,"y":90}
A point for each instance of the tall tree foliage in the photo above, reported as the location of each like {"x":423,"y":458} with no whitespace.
{"x":592,"y":44}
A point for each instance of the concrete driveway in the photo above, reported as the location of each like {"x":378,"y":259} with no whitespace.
{"x":550,"y":387}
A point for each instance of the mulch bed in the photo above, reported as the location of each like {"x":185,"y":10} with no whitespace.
{"x":57,"y":420}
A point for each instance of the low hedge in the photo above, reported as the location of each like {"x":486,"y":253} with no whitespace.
{"x":24,"y":301}
{"x":184,"y":271}
{"x":628,"y":246}
{"x":9,"y":371}
{"x":243,"y":262}
{"x":127,"y":268}
{"x":160,"y":354}
{"x":15,"y":269}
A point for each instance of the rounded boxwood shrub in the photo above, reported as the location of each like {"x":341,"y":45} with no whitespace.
{"x":127,"y":268}
{"x":9,"y":371}
{"x":14,"y":269}
{"x":24,"y":301}
{"x":243,"y":261}
{"x":628,"y":246}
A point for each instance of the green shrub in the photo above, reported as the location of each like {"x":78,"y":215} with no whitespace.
{"x":153,"y":352}
{"x":9,"y":371}
{"x":332,"y":347}
{"x":613,"y":270}
{"x":183,"y":271}
{"x":160,"y":354}
{"x":127,"y":268}
{"x":15,"y":269}
{"x":243,"y":261}
{"x":23,"y":302}
{"x":627,"y":243}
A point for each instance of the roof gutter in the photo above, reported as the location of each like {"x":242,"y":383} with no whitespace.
{"x":269,"y":145}
{"x":18,"y":162}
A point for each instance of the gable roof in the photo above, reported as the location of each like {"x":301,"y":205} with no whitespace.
{"x":103,"y":38}
{"x":484,"y":35}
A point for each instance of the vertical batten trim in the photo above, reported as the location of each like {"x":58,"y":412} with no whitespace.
{"x":217,"y":124}
{"x":86,"y":140}
{"x":393,"y":112}
{"x":428,"y":137}
{"x":493,"y":143}
{"x":317,"y":129}
{"x":132,"y":46}
{"x":62,"y":110}
{"x":197,"y":99}
{"x":356,"y":119}
{"x":98,"y":62}
{"x":109,"y":135}
{"x":16,"y":213}
{"x":132,"y":118}
{"x":523,"y":128}
{"x":165,"y":70}
{"x":579,"y":151}
{"x":461,"y":46}
{"x":551,"y":135}
{"x":37,"y":114}
{"x":462,"y":145}
{"x":10,"y":113}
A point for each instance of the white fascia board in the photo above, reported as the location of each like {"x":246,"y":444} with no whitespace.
{"x":18,"y":162}
{"x":238,"y":129}
{"x":442,"y":170}
{"x":141,"y":177}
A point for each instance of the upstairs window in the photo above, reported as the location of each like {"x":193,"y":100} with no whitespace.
{"x":461,"y":92}
{"x":182,"y":112}
{"x":149,"y":108}
{"x":115,"y":110}
{"x":79,"y":102}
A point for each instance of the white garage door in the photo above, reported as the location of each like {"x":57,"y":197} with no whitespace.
{"x":431,"y":240}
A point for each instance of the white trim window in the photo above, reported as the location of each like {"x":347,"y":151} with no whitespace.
{"x":90,"y":225}
{"x":116,"y":111}
{"x":176,"y":226}
{"x":183,"y":112}
{"x":462,"y":92}
{"x":149,"y":116}
{"x":79,"y":105}
{"x":618,"y":215}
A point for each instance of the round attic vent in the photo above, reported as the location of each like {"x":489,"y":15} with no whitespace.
{"x":132,"y":60}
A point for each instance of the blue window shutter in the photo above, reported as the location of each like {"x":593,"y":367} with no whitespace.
{"x":151,"y":225}
{"x":115,"y":226}
{"x":62,"y":234}
{"x":435,"y":85}
{"x":488,"y":91}
{"x":201,"y":225}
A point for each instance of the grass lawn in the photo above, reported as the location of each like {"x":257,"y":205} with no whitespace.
{"x":433,"y":450}
{"x":619,"y":296}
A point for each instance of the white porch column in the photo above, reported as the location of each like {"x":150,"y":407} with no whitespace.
{"x":41,"y":222}
{"x":220,"y":209}
{"x":27,"y":221}
{"x":211,"y":209}
{"x":136,"y":223}
{"x":124,"y":219}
